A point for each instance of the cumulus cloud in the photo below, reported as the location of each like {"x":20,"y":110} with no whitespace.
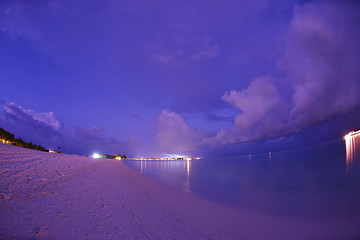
{"x":320,"y":60}
{"x":92,"y":139}
{"x":175,"y":135}
{"x":87,"y":132}
{"x":47,"y":118}
{"x":255,"y":102}
{"x":45,"y":129}
{"x":321,"y":74}
{"x":261,"y":108}
{"x":35,"y":127}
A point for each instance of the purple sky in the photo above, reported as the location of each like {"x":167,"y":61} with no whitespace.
{"x":178,"y":77}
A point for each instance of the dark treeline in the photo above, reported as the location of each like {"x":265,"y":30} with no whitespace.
{"x":19,"y":142}
{"x":113,"y":156}
{"x":7,"y":136}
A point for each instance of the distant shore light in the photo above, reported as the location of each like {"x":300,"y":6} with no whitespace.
{"x":350,"y":144}
{"x":352,"y":134}
{"x":96,"y":155}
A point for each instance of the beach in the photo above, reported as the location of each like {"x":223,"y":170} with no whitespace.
{"x":59,"y":196}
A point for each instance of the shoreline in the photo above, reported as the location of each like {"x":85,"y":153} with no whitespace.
{"x":59,"y":196}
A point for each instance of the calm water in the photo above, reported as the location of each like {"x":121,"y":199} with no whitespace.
{"x":313,"y":182}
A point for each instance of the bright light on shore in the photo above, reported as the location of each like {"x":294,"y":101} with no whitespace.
{"x":352,"y":134}
{"x":96,"y":155}
{"x":350,"y":144}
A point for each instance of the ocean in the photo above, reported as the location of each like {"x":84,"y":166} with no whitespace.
{"x":321,"y":181}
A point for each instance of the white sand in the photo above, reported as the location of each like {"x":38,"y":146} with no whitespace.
{"x":58,"y":196}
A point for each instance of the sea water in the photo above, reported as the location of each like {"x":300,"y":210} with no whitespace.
{"x":314,"y":182}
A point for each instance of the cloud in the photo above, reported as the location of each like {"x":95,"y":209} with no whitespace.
{"x":170,"y":58}
{"x":113,"y":41}
{"x":175,"y":135}
{"x":38,"y":24}
{"x":319,"y":60}
{"x":261,"y":109}
{"x":92,"y":139}
{"x":210,"y":52}
{"x":47,"y":118}
{"x":213,"y":117}
{"x":189,"y":49}
{"x":25,"y":123}
{"x":204,"y":50}
{"x":45,"y":129}
{"x":87,"y":132}
{"x":255,"y":102}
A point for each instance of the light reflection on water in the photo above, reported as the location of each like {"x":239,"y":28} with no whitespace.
{"x":351,"y":140}
{"x":311,"y":182}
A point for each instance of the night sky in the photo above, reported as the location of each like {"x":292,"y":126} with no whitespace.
{"x":149,"y":78}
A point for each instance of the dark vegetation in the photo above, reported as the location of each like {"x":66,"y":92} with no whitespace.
{"x":9,"y":138}
{"x":5,"y":135}
{"x":113,"y":156}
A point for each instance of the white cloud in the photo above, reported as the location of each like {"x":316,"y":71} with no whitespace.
{"x":48,"y":118}
{"x":175,"y":135}
{"x":261,"y":109}
{"x":45,"y":129}
{"x":320,"y":60}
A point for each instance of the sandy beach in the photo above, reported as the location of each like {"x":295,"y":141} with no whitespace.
{"x":59,"y":196}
